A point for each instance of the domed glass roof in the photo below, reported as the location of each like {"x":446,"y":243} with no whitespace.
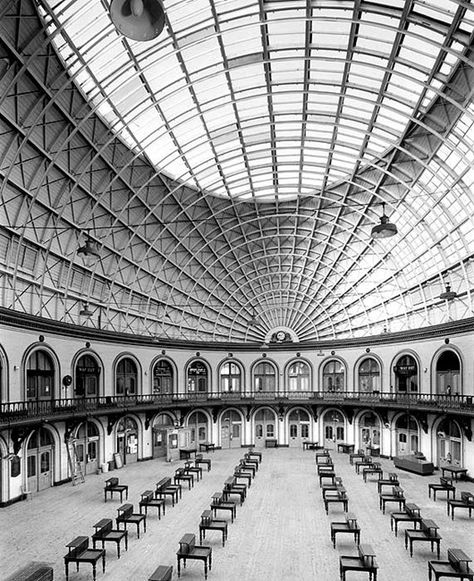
{"x":231,"y":170}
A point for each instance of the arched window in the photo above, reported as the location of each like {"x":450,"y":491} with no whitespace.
{"x":163,"y":377}
{"x":39,"y":376}
{"x":230,"y":377}
{"x":298,"y":376}
{"x":264,"y":377}
{"x":163,"y":421}
{"x":369,"y":375}
{"x":126,"y":377}
{"x":406,"y":374}
{"x":448,"y":368}
{"x":87,"y":377}
{"x":197,"y":421}
{"x":333,"y":376}
{"x":197,"y":377}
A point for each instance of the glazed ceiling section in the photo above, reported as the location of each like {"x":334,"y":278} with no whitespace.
{"x":263,"y":99}
{"x":178,"y":262}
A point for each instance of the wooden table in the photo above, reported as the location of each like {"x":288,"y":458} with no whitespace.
{"x":322,"y":457}
{"x":258,"y":455}
{"x":359,"y":454}
{"x":218,"y":503}
{"x":411,"y":514}
{"x":444,"y":485}
{"x":188,"y":550}
{"x":350,"y":526}
{"x":466,"y":501}
{"x":185,"y":453}
{"x":148,"y":499}
{"x":427,"y":533}
{"x":307,"y":445}
{"x":206,"y":446}
{"x":373,"y":468}
{"x":364,"y":562}
{"x":336,"y":496}
{"x":181,"y":476}
{"x":396,"y":496}
{"x":198,"y":459}
{"x":457,"y":472}
{"x":126,"y":516}
{"x":457,"y":566}
{"x":79,"y":552}
{"x":105,"y":533}
{"x":392,"y":480}
{"x":209,"y":523}
{"x":112,"y":485}
{"x":346,"y":448}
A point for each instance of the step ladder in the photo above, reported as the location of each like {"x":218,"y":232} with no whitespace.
{"x":75,"y":468}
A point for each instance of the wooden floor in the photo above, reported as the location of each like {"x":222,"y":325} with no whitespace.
{"x":281,"y":532}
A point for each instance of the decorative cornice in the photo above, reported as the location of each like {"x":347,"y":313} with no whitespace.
{"x":19,"y":320}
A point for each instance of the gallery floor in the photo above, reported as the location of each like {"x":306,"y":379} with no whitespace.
{"x":281,"y":531}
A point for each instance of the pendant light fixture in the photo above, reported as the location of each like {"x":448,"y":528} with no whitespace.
{"x":448,"y":294}
{"x":385,"y":229}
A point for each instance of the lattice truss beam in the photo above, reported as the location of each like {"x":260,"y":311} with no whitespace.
{"x":179,"y":261}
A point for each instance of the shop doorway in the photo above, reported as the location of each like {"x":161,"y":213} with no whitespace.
{"x":39,"y":460}
{"x":127,"y":440}
{"x":265,"y":422}
{"x":333,"y":429}
{"x":231,"y":430}
{"x":87,"y":447}
{"x":298,"y":421}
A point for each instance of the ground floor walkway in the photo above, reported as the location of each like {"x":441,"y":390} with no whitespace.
{"x":281,"y":532}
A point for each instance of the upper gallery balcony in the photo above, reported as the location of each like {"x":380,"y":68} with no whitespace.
{"x":31,"y":412}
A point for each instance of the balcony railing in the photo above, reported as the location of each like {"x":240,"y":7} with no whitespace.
{"x":28,"y":411}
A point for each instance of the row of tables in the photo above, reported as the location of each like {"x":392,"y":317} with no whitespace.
{"x":458,"y":562}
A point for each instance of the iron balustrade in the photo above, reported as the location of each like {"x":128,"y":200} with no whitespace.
{"x":19,"y":412}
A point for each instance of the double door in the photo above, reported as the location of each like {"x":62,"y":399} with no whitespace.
{"x":87,"y":456}
{"x":334,"y":434}
{"x":407,"y":442}
{"x":299,"y":432}
{"x":231,"y":435}
{"x":39,"y":468}
{"x":127,"y":447}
